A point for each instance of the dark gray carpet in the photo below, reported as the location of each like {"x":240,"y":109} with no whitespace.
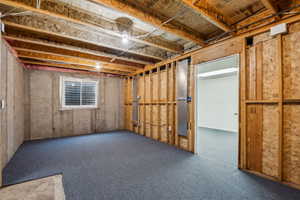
{"x":125,"y":166}
{"x":218,"y":145}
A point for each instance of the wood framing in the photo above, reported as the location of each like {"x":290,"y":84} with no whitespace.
{"x":26,"y":43}
{"x":269,"y":4}
{"x":69,"y":13}
{"x":86,"y":38}
{"x":148,"y":18}
{"x":209,"y":13}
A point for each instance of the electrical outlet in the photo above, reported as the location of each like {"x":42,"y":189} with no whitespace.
{"x":169,"y":128}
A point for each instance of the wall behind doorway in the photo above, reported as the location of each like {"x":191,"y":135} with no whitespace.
{"x":218,"y":95}
{"x":218,"y":103}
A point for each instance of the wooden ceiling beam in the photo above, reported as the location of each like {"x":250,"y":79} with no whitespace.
{"x":15,"y":36}
{"x":58,"y":29}
{"x":60,"y":50}
{"x":209,"y":13}
{"x":71,"y":66}
{"x":72,"y":14}
{"x":37,"y":55}
{"x":269,"y":4}
{"x":150,"y":19}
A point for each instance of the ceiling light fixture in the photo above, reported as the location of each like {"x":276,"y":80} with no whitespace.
{"x":125,"y":37}
{"x":98,"y":66}
{"x":218,"y":72}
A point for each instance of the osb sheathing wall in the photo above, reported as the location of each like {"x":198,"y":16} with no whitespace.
{"x":272,"y":106}
{"x":12,"y":81}
{"x":49,"y":120}
{"x":269,"y":138}
{"x":157,"y":106}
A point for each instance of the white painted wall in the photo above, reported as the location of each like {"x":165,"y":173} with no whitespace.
{"x":218,"y":103}
{"x":217,"y":97}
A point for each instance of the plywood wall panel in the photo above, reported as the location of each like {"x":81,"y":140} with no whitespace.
{"x":254,"y":137}
{"x":270,"y":140}
{"x":291,"y":147}
{"x":251,"y":73}
{"x":291,"y":54}
{"x":140,"y":84}
{"x":270,"y":70}
{"x":155,"y":86}
{"x":155,"y":121}
{"x":147,"y":88}
{"x":171,"y":85}
{"x":183,"y":143}
{"x":163,"y":86}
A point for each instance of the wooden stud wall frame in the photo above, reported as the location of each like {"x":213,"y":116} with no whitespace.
{"x":157,"y":106}
{"x":269,"y":117}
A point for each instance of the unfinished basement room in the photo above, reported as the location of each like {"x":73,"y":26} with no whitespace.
{"x":150,"y":99}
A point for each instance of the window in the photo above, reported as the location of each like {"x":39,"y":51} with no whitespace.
{"x":78,"y":93}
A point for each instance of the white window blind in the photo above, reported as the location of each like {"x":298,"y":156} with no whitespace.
{"x":78,"y":93}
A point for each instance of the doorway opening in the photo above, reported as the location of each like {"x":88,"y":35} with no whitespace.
{"x":217,"y":107}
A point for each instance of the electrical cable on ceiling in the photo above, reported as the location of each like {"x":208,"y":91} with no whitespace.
{"x":258,"y":21}
{"x":180,"y":14}
{"x":284,"y":12}
{"x":15,"y":14}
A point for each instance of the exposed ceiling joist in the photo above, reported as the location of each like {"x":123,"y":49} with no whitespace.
{"x":38,"y":55}
{"x":50,"y":25}
{"x":69,"y":13}
{"x":57,"y":49}
{"x":150,"y":19}
{"x":87,"y":52}
{"x":71,"y":66}
{"x":212,"y":17}
{"x":74,"y":39}
{"x":269,"y":4}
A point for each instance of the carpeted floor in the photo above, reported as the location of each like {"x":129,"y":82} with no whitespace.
{"x":126,"y":166}
{"x":218,"y":145}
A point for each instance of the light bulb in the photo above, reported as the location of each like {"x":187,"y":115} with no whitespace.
{"x":98,"y":66}
{"x":125,"y":37}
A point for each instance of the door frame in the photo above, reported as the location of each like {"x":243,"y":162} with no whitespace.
{"x":196,"y":68}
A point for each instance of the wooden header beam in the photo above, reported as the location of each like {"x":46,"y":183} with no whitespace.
{"x":269,"y":4}
{"x":72,"y":70}
{"x":70,"y":66}
{"x":155,"y":21}
{"x":36,"y":55}
{"x":212,"y":17}
{"x":71,"y":14}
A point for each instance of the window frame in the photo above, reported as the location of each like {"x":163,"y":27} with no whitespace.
{"x":81,"y":80}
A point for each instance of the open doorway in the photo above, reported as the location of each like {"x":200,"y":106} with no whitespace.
{"x":217,"y":93}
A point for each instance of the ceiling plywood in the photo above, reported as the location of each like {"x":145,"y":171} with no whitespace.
{"x":167,"y":9}
{"x":237,"y":10}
